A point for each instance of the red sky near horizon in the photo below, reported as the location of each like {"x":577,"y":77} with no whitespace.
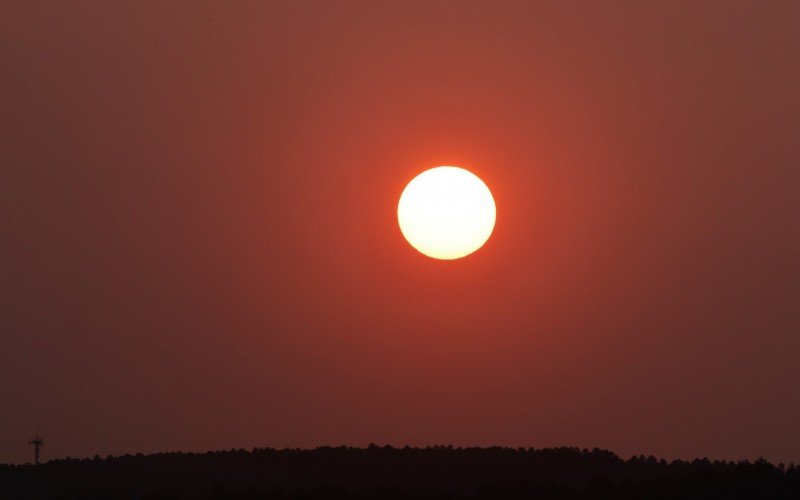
{"x":200,"y":247}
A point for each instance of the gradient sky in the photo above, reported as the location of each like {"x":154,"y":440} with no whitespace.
{"x":200,"y":251}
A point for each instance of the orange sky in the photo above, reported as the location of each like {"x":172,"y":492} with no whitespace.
{"x":200,"y":248}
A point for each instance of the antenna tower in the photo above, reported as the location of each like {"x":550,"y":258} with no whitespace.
{"x":37,"y":443}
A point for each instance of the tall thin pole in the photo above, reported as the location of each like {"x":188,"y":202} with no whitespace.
{"x":37,"y":443}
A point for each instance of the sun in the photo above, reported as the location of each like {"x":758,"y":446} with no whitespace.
{"x":446,"y":213}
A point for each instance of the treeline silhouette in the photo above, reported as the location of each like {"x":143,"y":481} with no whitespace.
{"x":387,"y":472}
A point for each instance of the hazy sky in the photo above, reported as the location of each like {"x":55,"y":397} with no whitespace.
{"x":199,"y":247}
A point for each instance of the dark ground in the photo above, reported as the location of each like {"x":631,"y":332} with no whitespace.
{"x":385,"y":472}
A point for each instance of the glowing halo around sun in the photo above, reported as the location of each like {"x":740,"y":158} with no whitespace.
{"x":446,"y":213}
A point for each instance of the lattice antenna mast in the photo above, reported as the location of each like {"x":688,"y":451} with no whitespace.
{"x":37,"y":443}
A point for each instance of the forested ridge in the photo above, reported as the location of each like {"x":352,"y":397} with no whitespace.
{"x":387,"y":472}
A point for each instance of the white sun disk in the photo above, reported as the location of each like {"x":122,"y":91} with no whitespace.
{"x":446,"y":213}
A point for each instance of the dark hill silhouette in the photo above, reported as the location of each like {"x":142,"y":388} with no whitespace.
{"x":386,"y":472}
